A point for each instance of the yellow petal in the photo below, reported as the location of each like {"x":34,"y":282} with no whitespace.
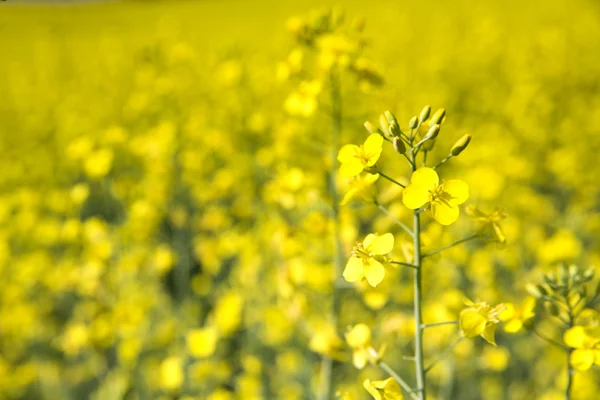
{"x":443,"y":213}
{"x":513,"y":326}
{"x":414,"y":196}
{"x":575,"y":337}
{"x":508,"y":313}
{"x":351,"y":168}
{"x":472,"y":323}
{"x":582,"y":359}
{"x":373,"y":146}
{"x":371,"y":179}
{"x":359,"y":359}
{"x":374,"y":272}
{"x":379,"y":245}
{"x":489,"y":334}
{"x":359,"y":336}
{"x":500,"y":237}
{"x":347,"y":153}
{"x":372,"y":389}
{"x":527,"y":308}
{"x":350,"y":194}
{"x":426,"y":177}
{"x":458,"y":189}
{"x":354,"y":269}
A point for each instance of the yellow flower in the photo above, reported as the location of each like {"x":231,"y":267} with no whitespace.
{"x":326,"y":341}
{"x":443,"y":199}
{"x":480,"y":319}
{"x":367,"y":258}
{"x":202,"y":342}
{"x":489,"y":222}
{"x":355,"y":159}
{"x":359,"y":340}
{"x":586,"y":342}
{"x":361,"y":188}
{"x":515,"y":316}
{"x":387,"y":389}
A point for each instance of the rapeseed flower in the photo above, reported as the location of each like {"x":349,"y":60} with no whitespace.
{"x":480,"y":319}
{"x":387,"y":389}
{"x":355,"y":159}
{"x":368,"y":258}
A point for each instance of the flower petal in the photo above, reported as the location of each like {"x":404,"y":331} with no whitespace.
{"x":582,"y":359}
{"x":508,"y":313}
{"x":373,"y":144}
{"x":374,"y":272}
{"x":426,"y":177}
{"x":489,"y":334}
{"x":458,"y":189}
{"x":471,"y":322}
{"x":351,"y":168}
{"x":575,"y":337}
{"x":347,"y":153}
{"x":444,"y":213}
{"x":379,"y":245}
{"x":350,"y":194}
{"x":513,"y":326}
{"x":359,"y":359}
{"x":415,"y":196}
{"x":354,"y":269}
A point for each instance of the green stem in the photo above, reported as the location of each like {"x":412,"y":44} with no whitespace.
{"x":397,"y":378}
{"x":390,"y":179}
{"x":449,"y":156}
{"x":403,"y":264}
{"x":326,"y":384}
{"x":431,"y":253}
{"x":425,"y":326}
{"x":570,"y":373}
{"x":549,"y":340}
{"x":444,"y":354}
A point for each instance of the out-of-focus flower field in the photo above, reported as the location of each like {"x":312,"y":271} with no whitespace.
{"x":168,"y":221}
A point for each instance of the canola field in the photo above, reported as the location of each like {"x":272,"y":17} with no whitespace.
{"x":300,"y":200}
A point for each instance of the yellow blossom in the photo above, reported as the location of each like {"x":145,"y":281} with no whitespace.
{"x":202,"y":342}
{"x":586,"y":342}
{"x":355,"y":159}
{"x":480,"y":319}
{"x":359,"y":340}
{"x":360,"y":188}
{"x":387,"y":389}
{"x":442,"y":199}
{"x":515,"y":316}
{"x":367,"y":258}
{"x":489,"y":222}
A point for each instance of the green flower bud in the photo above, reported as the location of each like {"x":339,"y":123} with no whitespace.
{"x":399,"y":145}
{"x":534,"y":290}
{"x":438,"y":116}
{"x":413,"y":123}
{"x":391,"y":118}
{"x":551,"y":308}
{"x":425,"y":113}
{"x":371,"y":128}
{"x":384,"y":124}
{"x":588,"y":274}
{"x":433,"y":132}
{"x":460,"y":145}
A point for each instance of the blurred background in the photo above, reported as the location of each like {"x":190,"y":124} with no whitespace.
{"x":166,"y":224}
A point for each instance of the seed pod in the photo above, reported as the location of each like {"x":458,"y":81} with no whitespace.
{"x":399,"y":145}
{"x":433,"y":132}
{"x":551,"y":308}
{"x":438,"y":116}
{"x":460,"y":145}
{"x":371,"y":128}
{"x":425,"y":113}
{"x":413,"y":123}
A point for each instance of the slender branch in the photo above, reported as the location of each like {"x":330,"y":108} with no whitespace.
{"x":396,"y":220}
{"x":425,"y":326}
{"x":449,"y":156}
{"x":398,"y":379}
{"x":425,"y":158}
{"x":549,"y":340}
{"x":390,"y":179}
{"x":403,"y":264}
{"x":570,"y":373}
{"x":444,"y":354}
{"x":431,"y":253}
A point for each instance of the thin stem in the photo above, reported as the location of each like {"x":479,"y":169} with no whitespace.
{"x":444,"y":353}
{"x":549,"y":340}
{"x":396,"y":220}
{"x":425,"y":326}
{"x":449,"y":156}
{"x":408,"y":159}
{"x":326,"y":384}
{"x":431,"y":253}
{"x":425,"y":158}
{"x":398,"y":379}
{"x":570,"y":373}
{"x":390,"y":179}
{"x":403,"y":264}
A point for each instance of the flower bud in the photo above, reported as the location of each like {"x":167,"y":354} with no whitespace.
{"x":384,"y":124}
{"x":551,"y":308}
{"x":534,"y":290}
{"x":371,"y":128}
{"x":399,"y":145}
{"x":588,"y":274}
{"x":391,"y":118}
{"x":433,"y":132}
{"x":413,"y":123}
{"x":425,"y":113}
{"x":438,"y":116}
{"x":460,"y":145}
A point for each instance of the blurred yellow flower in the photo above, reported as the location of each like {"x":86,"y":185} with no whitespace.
{"x":359,"y":340}
{"x":489,"y":222}
{"x":367,"y":258}
{"x":387,"y":389}
{"x":171,"y":373}
{"x":355,"y":159}
{"x":360,"y":188}
{"x":480,"y":319}
{"x":99,"y":163}
{"x":443,"y":199}
{"x":202,"y":342}
{"x":515,"y":316}
{"x":586,"y":342}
